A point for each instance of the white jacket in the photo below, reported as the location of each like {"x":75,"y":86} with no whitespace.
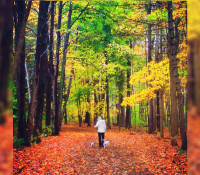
{"x":101,"y":124}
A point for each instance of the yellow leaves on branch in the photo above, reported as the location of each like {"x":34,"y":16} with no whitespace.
{"x":144,"y":95}
{"x":155,"y":75}
{"x":193,"y":19}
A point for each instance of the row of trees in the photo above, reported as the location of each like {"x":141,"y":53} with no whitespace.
{"x":79,"y":60}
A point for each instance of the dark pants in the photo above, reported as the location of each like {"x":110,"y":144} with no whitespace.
{"x":101,"y":138}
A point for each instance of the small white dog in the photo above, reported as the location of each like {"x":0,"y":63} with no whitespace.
{"x":92,"y":144}
{"x":105,"y":144}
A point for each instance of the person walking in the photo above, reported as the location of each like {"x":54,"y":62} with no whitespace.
{"x":101,"y":125}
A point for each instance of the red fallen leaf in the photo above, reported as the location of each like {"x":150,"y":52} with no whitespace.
{"x":70,"y":153}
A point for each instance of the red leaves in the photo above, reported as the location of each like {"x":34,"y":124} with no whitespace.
{"x":193,"y":142}
{"x":70,"y":153}
{"x":6,"y":146}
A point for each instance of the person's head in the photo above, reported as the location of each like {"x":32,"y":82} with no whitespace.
{"x":99,"y":118}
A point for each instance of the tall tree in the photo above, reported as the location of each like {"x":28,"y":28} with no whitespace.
{"x":50,"y":69}
{"x":42,"y":53}
{"x":6,"y":35}
{"x":157,"y":59}
{"x":36,"y":105}
{"x":121,"y":88}
{"x":55,"y":84}
{"x":19,"y":13}
{"x":66,"y":97}
{"x":173,"y":43}
{"x":128,"y":107}
{"x":193,"y":84}
{"x":66,"y":44}
{"x":107,"y":95}
{"x":107,"y":29}
{"x":21,"y":38}
{"x":151,"y":118}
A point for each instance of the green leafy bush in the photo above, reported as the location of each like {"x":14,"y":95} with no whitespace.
{"x":47,"y":131}
{"x":18,"y":143}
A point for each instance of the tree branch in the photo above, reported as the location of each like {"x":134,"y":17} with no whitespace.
{"x":32,"y":30}
{"x":80,"y":14}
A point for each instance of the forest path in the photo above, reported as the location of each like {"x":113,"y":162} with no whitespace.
{"x":127,"y":153}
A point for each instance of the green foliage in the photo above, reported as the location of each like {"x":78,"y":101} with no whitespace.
{"x":47,"y":131}
{"x":18,"y":142}
{"x":181,"y":151}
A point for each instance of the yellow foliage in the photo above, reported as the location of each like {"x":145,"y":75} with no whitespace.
{"x":193,"y":19}
{"x":155,"y":75}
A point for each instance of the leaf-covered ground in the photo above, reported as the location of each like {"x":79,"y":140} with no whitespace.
{"x":6,"y":146}
{"x":128,"y":153}
{"x":193,"y":143}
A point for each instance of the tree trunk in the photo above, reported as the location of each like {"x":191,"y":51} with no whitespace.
{"x":122,"y":112}
{"x":21,"y":38}
{"x":107,"y":96}
{"x":121,"y":108}
{"x":95,"y":106}
{"x":156,"y":100}
{"x":28,"y":83}
{"x":79,"y":113}
{"x":162,"y":114}
{"x":55,"y":84}
{"x":66,"y":97}
{"x":65,"y":114}
{"x":118,"y":113}
{"x":50,"y":70}
{"x":173,"y":43}
{"x":41,"y":55}
{"x":174,"y":109}
{"x":151,"y":118}
{"x":128,"y":108}
{"x":6,"y":38}
{"x":87,"y":116}
{"x":66,"y":44}
{"x":20,"y":8}
{"x":193,"y":84}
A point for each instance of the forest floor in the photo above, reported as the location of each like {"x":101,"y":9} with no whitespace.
{"x":128,"y":153}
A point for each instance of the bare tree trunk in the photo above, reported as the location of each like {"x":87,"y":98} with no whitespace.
{"x":95,"y":104}
{"x":79,"y":113}
{"x":128,"y":108}
{"x":40,"y":55}
{"x":121,"y":108}
{"x":96,"y":111}
{"x":151,"y":123}
{"x":28,"y":83}
{"x":173,"y":43}
{"x":193,"y":85}
{"x":107,"y":96}
{"x":50,"y":69}
{"x":20,"y":8}
{"x":66,"y":44}
{"x":55,"y":83}
{"x":66,"y":97}
{"x":156,"y":100}
{"x":174,"y":109}
{"x":162,"y":114}
{"x":21,"y":38}
{"x":6,"y":38}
